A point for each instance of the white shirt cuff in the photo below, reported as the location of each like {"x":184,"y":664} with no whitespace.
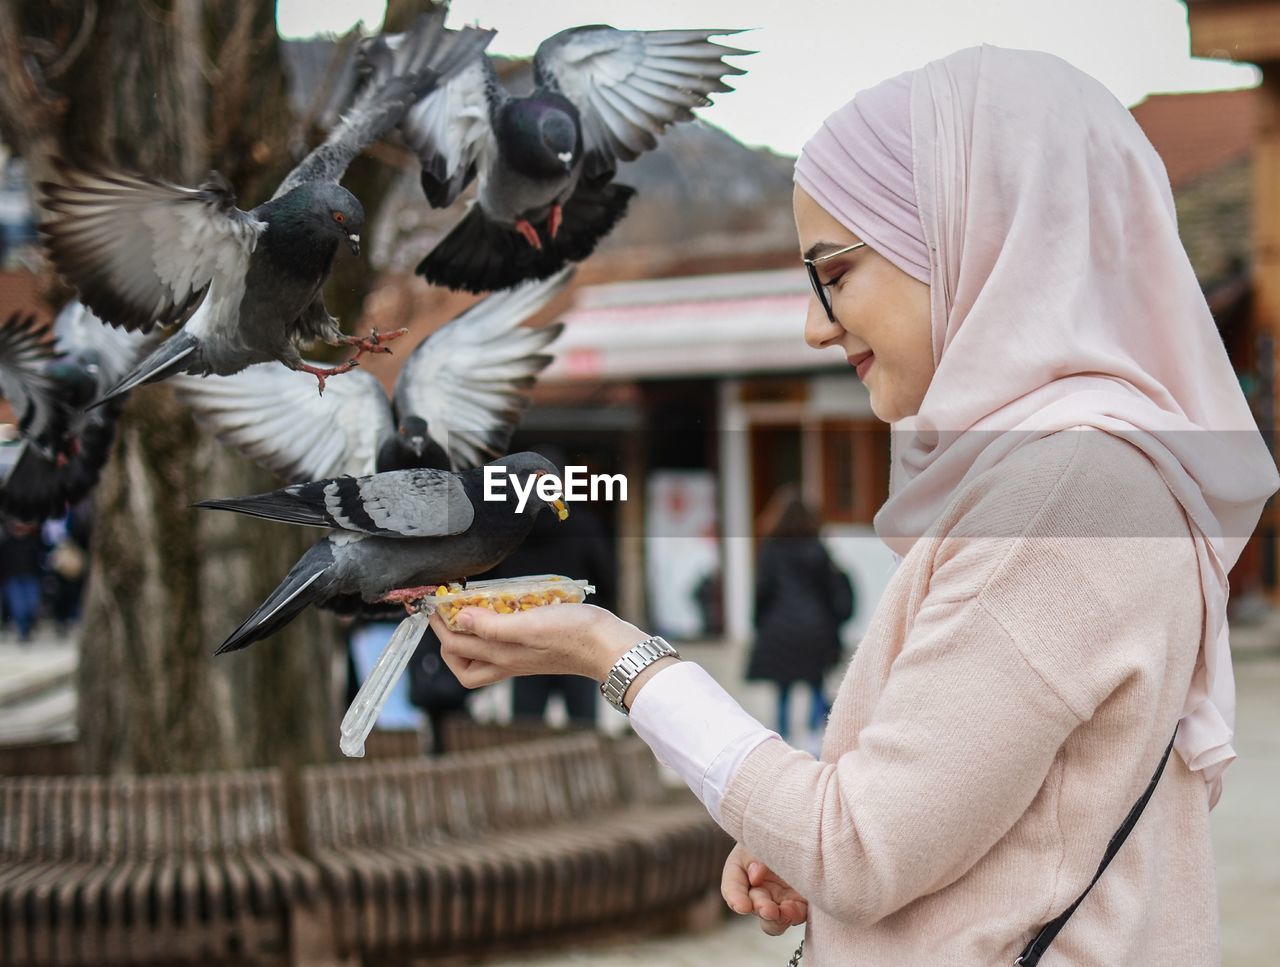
{"x":695,"y":727}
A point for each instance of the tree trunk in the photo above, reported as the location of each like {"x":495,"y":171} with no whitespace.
{"x":173,"y":88}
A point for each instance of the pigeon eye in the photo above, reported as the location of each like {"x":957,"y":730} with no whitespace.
{"x":339,"y":217}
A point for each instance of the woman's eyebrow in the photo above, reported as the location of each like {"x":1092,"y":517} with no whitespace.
{"x":818,"y":249}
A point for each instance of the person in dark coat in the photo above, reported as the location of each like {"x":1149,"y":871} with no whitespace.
{"x":802,"y":599}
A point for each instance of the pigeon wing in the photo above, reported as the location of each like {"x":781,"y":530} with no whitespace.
{"x":82,"y":335}
{"x":140,"y":251}
{"x":470,"y":379}
{"x":25,"y":351}
{"x":401,"y":70}
{"x":628,"y":85}
{"x":274,"y":416}
{"x":451,"y":128}
{"x":398,"y":503}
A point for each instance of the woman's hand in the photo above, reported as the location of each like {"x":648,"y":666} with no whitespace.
{"x":560,"y":639}
{"x":748,"y":886}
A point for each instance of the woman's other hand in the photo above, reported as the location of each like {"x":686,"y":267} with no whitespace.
{"x":748,"y":886}
{"x":561,"y":639}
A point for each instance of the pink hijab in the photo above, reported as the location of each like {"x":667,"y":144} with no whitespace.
{"x":1061,"y":297}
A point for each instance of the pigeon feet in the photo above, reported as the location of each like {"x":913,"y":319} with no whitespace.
{"x":409,"y":596}
{"x":525,"y":228}
{"x":372,"y":343}
{"x":554,"y":220}
{"x":320,"y":373}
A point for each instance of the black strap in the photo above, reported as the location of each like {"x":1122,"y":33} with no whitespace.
{"x":1040,"y":942}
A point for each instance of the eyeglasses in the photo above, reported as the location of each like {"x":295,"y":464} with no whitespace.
{"x":820,"y":288}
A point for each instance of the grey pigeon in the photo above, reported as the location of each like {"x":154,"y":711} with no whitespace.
{"x":395,"y":534}
{"x":546,"y":162}
{"x":457,"y":399}
{"x":51,"y":378}
{"x":144,"y":252}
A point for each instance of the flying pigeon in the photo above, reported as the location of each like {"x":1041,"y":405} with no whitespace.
{"x":144,"y":252}
{"x":546,"y":161}
{"x":457,"y":399}
{"x":50,"y":378}
{"x":396,"y":535}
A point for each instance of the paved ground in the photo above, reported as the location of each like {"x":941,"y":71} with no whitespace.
{"x":37,"y":698}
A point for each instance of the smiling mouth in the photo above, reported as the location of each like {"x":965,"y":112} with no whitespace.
{"x":862,"y":363}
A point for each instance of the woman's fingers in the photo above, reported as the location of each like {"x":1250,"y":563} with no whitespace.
{"x":794,"y":911}
{"x":775,"y":917}
{"x":733,"y":883}
{"x":765,"y":906}
{"x":472,"y":674}
{"x":748,"y":886}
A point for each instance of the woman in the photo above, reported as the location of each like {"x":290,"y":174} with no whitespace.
{"x":993,"y":246}
{"x":801,"y":601}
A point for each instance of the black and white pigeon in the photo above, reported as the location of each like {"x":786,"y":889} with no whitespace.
{"x":457,"y":400}
{"x":144,"y":252}
{"x":396,"y":535}
{"x":51,"y":377}
{"x":545,"y":162}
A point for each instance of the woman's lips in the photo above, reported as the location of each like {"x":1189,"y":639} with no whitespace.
{"x":862,"y":364}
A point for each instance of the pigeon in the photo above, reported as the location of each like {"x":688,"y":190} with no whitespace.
{"x":144,"y":252}
{"x":546,"y":161}
{"x":51,"y":378}
{"x":396,"y":535}
{"x":457,"y":399}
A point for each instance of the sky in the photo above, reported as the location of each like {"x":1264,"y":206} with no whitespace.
{"x":813,"y":55}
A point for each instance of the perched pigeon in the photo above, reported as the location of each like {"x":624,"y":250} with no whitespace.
{"x":546,"y":161}
{"x":396,"y":534}
{"x":457,"y":400}
{"x":143,"y":252}
{"x":51,"y":381}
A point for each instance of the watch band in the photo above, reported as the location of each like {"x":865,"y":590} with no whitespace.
{"x":624,"y":671}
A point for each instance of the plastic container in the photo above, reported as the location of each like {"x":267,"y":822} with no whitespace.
{"x":373,"y":694}
{"x":506,"y":595}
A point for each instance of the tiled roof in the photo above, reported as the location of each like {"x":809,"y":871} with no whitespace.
{"x":1197,"y":133}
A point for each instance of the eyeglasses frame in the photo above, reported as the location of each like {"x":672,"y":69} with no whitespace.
{"x":820,"y":287}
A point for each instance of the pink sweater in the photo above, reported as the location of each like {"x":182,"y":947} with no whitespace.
{"x":1012,"y":697}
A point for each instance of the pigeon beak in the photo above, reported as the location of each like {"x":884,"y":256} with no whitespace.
{"x":417,"y":445}
{"x":566,"y":159}
{"x":354,"y":242}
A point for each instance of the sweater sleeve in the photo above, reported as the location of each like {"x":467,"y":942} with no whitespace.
{"x":911,"y":808}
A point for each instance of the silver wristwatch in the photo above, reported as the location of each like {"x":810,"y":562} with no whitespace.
{"x":632,"y":663}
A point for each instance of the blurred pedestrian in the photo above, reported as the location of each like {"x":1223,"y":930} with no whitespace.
{"x":67,"y":564}
{"x":802,"y":599}
{"x":22,"y":561}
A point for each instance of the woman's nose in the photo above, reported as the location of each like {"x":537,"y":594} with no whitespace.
{"x":818,"y":329}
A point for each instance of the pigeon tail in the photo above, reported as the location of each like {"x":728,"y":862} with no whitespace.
{"x":309,"y":582}
{"x":177,"y":354}
{"x":480,"y":255}
{"x":299,"y":504}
